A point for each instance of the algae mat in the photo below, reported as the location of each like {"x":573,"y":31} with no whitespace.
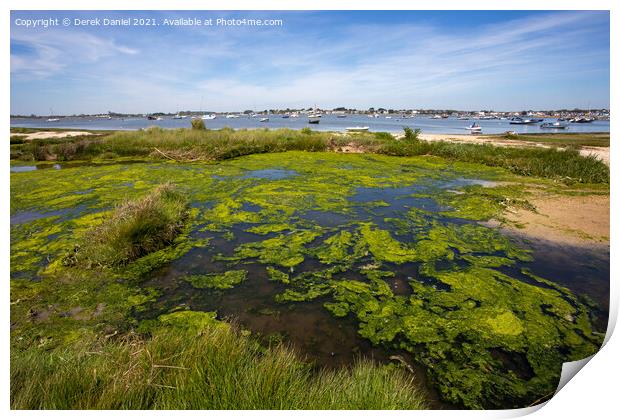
{"x":391,"y":249}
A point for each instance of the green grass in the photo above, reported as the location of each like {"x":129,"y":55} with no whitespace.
{"x":215,"y":368}
{"x":134,"y":229}
{"x":215,"y":145}
{"x":564,"y":165}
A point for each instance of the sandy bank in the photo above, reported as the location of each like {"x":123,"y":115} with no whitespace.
{"x":39,"y":135}
{"x":565,"y":220}
{"x":600,"y":152}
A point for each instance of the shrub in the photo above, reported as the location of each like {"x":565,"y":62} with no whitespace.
{"x":410,"y":134}
{"x":198,"y":124}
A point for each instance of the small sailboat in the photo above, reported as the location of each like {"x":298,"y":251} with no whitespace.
{"x":52,"y":118}
{"x":357,"y":129}
{"x":208,"y":117}
{"x":177,"y":117}
{"x":264,"y":120}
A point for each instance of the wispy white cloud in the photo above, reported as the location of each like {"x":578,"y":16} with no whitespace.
{"x":52,"y":52}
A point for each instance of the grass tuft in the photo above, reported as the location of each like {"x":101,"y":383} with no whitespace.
{"x":198,"y":124}
{"x":134,"y":229}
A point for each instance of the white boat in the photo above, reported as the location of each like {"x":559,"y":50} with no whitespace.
{"x":208,"y":117}
{"x":341,"y":116}
{"x":520,"y":121}
{"x":264,"y":120}
{"x":388,"y":118}
{"x":474,"y":128}
{"x":52,"y":118}
{"x":556,"y":125}
{"x":177,"y":117}
{"x":313,"y":120}
{"x":436,"y":117}
{"x":158,"y":119}
{"x":357,"y":129}
{"x":232,"y":116}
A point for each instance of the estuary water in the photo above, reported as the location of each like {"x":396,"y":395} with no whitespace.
{"x":394,"y":124}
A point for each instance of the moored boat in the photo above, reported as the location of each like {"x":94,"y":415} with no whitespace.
{"x":582,"y":120}
{"x":474,"y":128}
{"x":556,"y":125}
{"x":357,"y":129}
{"x":521,"y":121}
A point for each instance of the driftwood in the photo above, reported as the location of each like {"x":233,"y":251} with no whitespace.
{"x":178,"y":158}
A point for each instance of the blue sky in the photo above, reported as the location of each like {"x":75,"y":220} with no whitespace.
{"x":505,"y":60}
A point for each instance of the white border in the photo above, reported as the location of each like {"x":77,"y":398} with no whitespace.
{"x":591,"y":395}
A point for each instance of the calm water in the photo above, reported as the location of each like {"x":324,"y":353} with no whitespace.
{"x":328,"y":123}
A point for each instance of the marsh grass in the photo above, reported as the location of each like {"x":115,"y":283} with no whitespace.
{"x":565,"y":165}
{"x":134,"y":229}
{"x":214,"y":369}
{"x":214,"y":145}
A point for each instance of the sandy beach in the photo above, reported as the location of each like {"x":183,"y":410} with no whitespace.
{"x":39,"y":135}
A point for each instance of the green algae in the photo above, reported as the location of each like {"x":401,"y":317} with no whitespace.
{"x":225,"y":280}
{"x":385,"y":248}
{"x":192,"y":320}
{"x":283,"y":250}
{"x":461,"y":310}
{"x":277,"y":275}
